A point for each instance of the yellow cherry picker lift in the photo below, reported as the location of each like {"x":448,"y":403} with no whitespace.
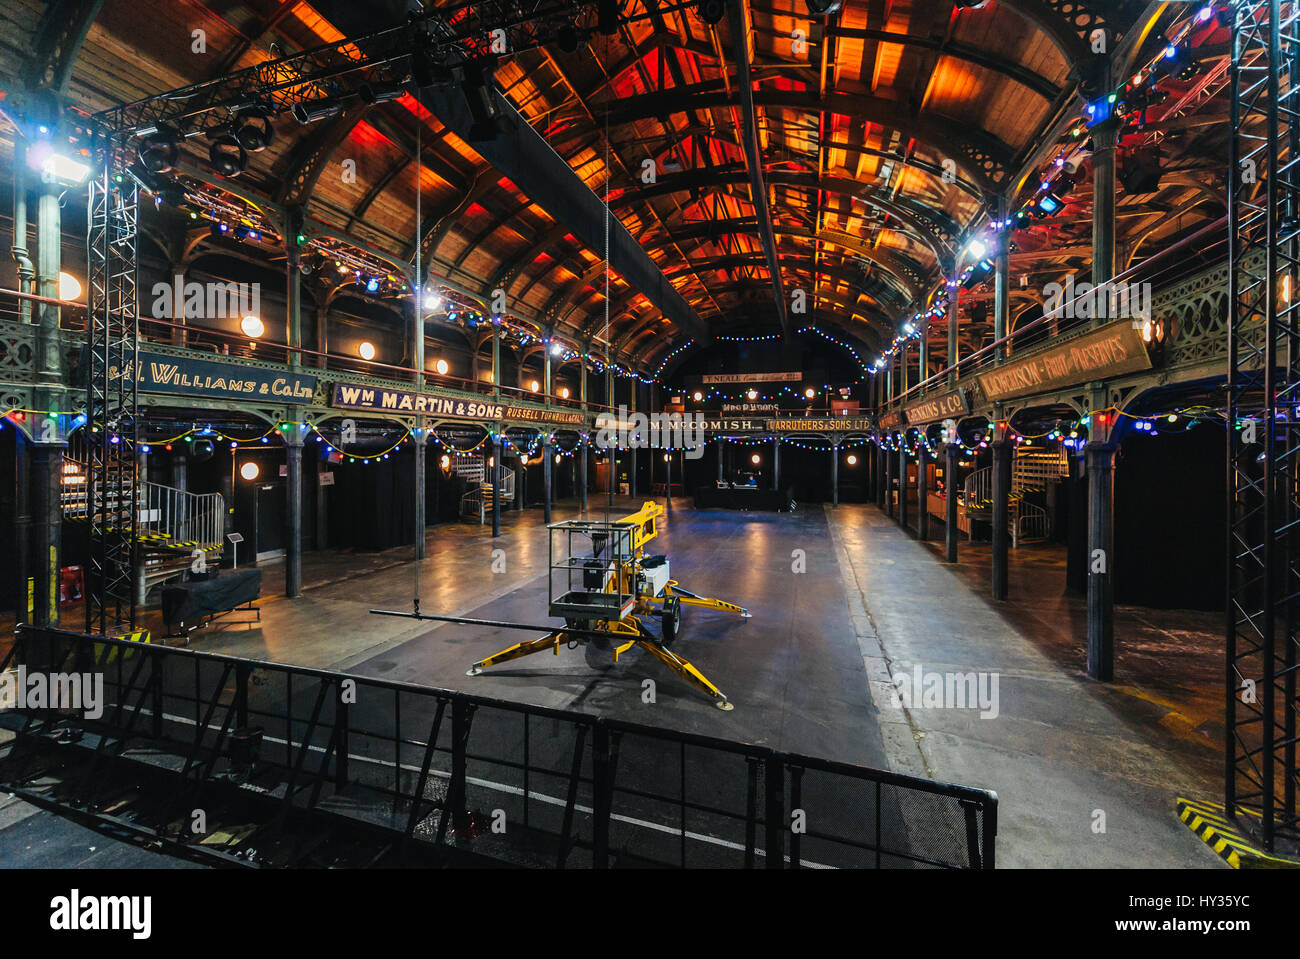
{"x":602,"y":583}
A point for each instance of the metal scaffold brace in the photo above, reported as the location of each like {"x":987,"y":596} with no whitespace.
{"x":602,"y":583}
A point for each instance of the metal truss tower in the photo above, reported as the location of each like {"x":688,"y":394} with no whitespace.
{"x":1263,"y":450}
{"x":112,"y":407}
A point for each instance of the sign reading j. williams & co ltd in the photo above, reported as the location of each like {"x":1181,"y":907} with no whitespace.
{"x":1110,"y":351}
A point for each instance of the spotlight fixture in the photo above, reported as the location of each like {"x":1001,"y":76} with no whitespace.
{"x":824,"y":8}
{"x":752,"y":394}
{"x":1047,"y":205}
{"x":981,"y":272}
{"x":366,"y":350}
{"x":313,"y":110}
{"x":372,"y":285}
{"x":534,"y":386}
{"x":851,"y":460}
{"x":69,"y":287}
{"x":373,"y":93}
{"x":809,"y":393}
{"x":480,"y":97}
{"x":697,"y":396}
{"x":556,"y":349}
{"x":428,"y":68}
{"x":441,"y":367}
{"x":570,"y":37}
{"x":710,"y":11}
{"x":249,"y":471}
{"x":227,"y":156}
{"x":756,"y":459}
{"x":253,"y":129}
{"x":252,"y":327}
{"x":564,"y":392}
{"x":160,"y":151}
{"x":57,"y":167}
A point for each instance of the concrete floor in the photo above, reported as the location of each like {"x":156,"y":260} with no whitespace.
{"x":811,"y":671}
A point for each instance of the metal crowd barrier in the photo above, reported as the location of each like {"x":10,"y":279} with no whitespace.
{"x":502,"y":780}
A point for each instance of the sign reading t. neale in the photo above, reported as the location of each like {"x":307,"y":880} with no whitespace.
{"x":1110,"y":351}
{"x":937,"y":408}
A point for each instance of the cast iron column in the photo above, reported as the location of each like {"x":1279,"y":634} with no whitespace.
{"x":421,"y":471}
{"x":547,"y":457}
{"x":902,"y":482}
{"x":1001,"y":448}
{"x":835,"y":471}
{"x":1103,"y":206}
{"x":668,"y":487}
{"x":891,"y":471}
{"x":47,"y":527}
{"x":922,"y":490}
{"x":23,"y":524}
{"x":293,"y":512}
{"x":1101,"y":533}
{"x":293,"y":298}
{"x":496,"y":483}
{"x":950,"y":506}
{"x":584,"y":453}
{"x":953,"y":346}
{"x":776,"y":462}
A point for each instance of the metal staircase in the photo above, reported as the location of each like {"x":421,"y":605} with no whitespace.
{"x":478,"y":502}
{"x":1031,"y":471}
{"x":173,"y":527}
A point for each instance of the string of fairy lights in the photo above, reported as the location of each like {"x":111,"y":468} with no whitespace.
{"x":1126,"y":103}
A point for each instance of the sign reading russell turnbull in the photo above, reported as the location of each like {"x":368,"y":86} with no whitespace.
{"x":1115,"y":349}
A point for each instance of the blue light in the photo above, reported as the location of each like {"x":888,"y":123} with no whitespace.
{"x":1171,"y":51}
{"x":372,"y":285}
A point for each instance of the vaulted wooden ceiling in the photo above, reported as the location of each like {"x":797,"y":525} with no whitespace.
{"x":857,"y":118}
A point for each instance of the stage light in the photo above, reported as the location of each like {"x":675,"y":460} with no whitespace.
{"x":313,"y":110}
{"x":710,"y":11}
{"x":1140,"y":172}
{"x":441,"y":367}
{"x":432,"y":301}
{"x":534,"y":386}
{"x":227,"y":157}
{"x":697,"y":396}
{"x":570,"y":37}
{"x":57,"y":167}
{"x":253,"y":130}
{"x":69,"y":287}
{"x":977,"y":248}
{"x":852,"y":460}
{"x":823,"y":8}
{"x":752,"y":394}
{"x":381,"y":92}
{"x":564,"y":392}
{"x":249,"y":471}
{"x":428,"y":68}
{"x":372,"y":284}
{"x":556,"y":349}
{"x":366,"y":350}
{"x":607,"y":17}
{"x":252,"y":327}
{"x":809,"y":393}
{"x":756,"y":459}
{"x":480,"y":97}
{"x":160,"y":151}
{"x":445,"y":462}
{"x":978,"y":275}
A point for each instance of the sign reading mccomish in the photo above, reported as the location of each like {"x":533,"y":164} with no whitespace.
{"x":1115,"y":349}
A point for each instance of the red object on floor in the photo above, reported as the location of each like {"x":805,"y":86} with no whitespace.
{"x":72,"y":585}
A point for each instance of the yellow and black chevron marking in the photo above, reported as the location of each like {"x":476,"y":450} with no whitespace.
{"x":1221,"y":834}
{"x":109,"y":654}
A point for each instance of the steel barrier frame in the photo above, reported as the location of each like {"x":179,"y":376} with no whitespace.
{"x":222,"y":707}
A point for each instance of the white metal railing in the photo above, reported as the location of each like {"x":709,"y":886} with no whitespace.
{"x":178,"y":517}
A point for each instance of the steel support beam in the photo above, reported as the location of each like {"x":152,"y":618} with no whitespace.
{"x":523,"y":155}
{"x":738,"y":20}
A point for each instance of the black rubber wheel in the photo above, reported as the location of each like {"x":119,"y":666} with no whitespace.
{"x":672,"y":620}
{"x":598,"y":653}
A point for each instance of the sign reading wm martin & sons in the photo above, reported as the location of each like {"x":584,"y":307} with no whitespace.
{"x":215,"y":379}
{"x":935,"y":408}
{"x":1111,"y":351}
{"x":348,"y":396}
